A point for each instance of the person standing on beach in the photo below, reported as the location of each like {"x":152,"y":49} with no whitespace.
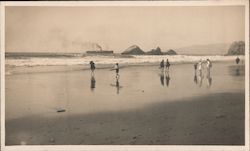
{"x":237,"y":60}
{"x":117,"y":85}
{"x":116,"y":68}
{"x":200,"y":67}
{"x":92,"y":67}
{"x":162,"y":65}
{"x":209,"y":65}
{"x":167,"y":65}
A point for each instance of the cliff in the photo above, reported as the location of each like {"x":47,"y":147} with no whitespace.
{"x":133,"y":50}
{"x":237,"y":48}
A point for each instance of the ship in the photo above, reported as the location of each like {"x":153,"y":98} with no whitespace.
{"x":97,"y":50}
{"x":100,"y":52}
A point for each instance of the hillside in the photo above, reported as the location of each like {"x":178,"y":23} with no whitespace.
{"x":237,"y":48}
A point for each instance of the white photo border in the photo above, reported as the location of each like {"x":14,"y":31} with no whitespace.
{"x":126,"y":147}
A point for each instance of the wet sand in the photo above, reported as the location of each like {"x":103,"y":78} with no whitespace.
{"x":145,"y":107}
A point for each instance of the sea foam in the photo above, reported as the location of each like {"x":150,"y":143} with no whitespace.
{"x":106,"y":60}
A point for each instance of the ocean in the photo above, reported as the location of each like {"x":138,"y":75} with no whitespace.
{"x":68,"y":59}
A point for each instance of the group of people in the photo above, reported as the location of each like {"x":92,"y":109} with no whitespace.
{"x":208,"y":65}
{"x":200,"y":67}
{"x":164,"y":67}
{"x":116,"y":68}
{"x":93,"y":81}
{"x":167,"y":65}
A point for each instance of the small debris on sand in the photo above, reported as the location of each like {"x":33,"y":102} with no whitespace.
{"x":52,"y":140}
{"x":123,"y":129}
{"x":61,"y":110}
{"x":220,"y":116}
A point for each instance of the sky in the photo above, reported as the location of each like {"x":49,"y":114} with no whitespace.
{"x":80,"y":28}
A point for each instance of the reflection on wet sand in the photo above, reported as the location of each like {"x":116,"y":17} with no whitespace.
{"x":92,"y":83}
{"x":198,"y":80}
{"x":195,"y":79}
{"x":236,"y":70}
{"x":117,"y":85}
{"x":167,"y":78}
{"x":164,"y":76}
{"x":209,"y":80}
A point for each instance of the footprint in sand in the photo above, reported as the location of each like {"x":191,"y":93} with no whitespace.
{"x":52,"y":140}
{"x":158,"y":140}
{"x":123,"y":130}
{"x":132,"y":142}
{"x":220,"y":116}
{"x":202,"y":124}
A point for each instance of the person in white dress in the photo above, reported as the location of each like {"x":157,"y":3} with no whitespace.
{"x":200,"y":67}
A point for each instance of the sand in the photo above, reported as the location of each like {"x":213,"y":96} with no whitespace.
{"x":144,"y":109}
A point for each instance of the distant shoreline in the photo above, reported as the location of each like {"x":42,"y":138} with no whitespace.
{"x":74,"y":54}
{"x":31,"y":61}
{"x":28,"y":69}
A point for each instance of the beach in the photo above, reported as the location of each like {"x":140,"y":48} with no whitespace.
{"x":65,"y":105}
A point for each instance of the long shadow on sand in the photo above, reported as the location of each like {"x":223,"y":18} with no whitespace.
{"x":216,"y":119}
